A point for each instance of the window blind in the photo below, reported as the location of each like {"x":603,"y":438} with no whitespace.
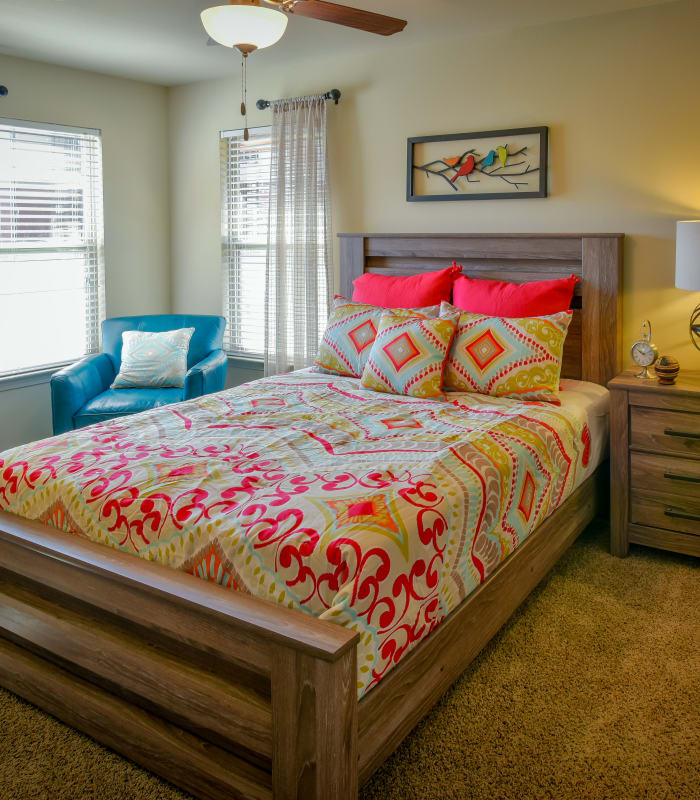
{"x":51,"y":244}
{"x":245,"y":195}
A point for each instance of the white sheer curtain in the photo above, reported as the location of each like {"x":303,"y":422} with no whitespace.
{"x":299,"y":238}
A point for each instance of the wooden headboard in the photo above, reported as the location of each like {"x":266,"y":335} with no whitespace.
{"x":593,"y":350}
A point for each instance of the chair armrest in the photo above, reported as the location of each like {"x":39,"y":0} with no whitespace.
{"x":73,"y":386}
{"x":207,"y":376}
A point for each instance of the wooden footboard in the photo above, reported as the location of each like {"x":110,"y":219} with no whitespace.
{"x":390,"y":711}
{"x":223,"y":694}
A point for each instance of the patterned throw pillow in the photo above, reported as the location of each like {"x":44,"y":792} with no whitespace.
{"x":426,"y":311}
{"x":507,"y":357}
{"x":153,"y":360}
{"x":408,"y":356}
{"x":350,"y":332}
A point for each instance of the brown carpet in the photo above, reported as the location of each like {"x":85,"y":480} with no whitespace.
{"x":592,"y":690}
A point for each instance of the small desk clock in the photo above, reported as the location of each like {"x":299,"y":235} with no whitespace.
{"x":644,"y":353}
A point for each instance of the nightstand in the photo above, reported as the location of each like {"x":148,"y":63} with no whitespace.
{"x":655,"y":463}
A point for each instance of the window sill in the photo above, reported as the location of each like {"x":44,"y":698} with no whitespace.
{"x":245,"y":362}
{"x":30,"y":378}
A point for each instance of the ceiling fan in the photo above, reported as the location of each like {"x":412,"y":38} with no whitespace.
{"x":250,"y":25}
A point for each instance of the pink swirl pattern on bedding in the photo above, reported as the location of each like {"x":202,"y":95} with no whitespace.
{"x":377,"y":512}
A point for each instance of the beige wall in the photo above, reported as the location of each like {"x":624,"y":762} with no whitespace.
{"x":619,"y":92}
{"x":133,"y":119}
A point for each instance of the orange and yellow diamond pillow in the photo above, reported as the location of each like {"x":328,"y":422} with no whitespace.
{"x":408,"y":356}
{"x":507,"y":357}
{"x":350,"y":333}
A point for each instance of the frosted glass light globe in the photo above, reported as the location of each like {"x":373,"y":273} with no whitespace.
{"x":234,"y":25}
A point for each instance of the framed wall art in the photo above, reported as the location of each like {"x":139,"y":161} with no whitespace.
{"x":490,"y":165}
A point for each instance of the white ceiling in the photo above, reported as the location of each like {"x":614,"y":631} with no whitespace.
{"x":162,"y":41}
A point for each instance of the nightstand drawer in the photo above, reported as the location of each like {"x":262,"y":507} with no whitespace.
{"x":672,"y":432}
{"x":674,"y":513}
{"x":655,"y":463}
{"x":667,"y":474}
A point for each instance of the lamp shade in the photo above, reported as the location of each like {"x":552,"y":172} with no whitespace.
{"x":688,"y":255}
{"x":244,"y":25}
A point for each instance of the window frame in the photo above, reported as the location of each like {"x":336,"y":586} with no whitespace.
{"x":94,"y":275}
{"x":231,"y":252}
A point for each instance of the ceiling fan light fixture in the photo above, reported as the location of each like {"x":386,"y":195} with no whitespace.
{"x":244,"y":24}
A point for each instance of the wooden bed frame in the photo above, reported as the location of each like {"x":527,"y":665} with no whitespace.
{"x":229,"y":696}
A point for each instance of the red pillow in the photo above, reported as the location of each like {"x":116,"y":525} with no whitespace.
{"x":405,"y":291}
{"x":501,"y":299}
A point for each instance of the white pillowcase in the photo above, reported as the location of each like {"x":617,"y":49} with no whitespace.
{"x":153,"y":360}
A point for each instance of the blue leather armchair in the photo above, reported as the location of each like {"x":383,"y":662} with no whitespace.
{"x":80,"y":393}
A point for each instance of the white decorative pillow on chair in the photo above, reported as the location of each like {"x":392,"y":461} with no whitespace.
{"x":153,"y":360}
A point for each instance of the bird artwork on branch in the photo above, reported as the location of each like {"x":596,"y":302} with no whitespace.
{"x":473,"y":166}
{"x":487,"y":165}
{"x":465,"y":168}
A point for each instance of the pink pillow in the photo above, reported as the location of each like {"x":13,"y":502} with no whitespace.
{"x":405,"y":291}
{"x":501,"y":299}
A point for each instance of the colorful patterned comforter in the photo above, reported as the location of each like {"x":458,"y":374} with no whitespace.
{"x":372,"y":511}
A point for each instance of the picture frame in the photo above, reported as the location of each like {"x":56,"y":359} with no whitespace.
{"x":472,"y":166}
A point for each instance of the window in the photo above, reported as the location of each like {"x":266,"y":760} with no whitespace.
{"x":51,"y":244}
{"x":245,"y":194}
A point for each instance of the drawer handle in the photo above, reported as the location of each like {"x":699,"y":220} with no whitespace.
{"x":684,"y":434}
{"x":672,"y":476}
{"x":671,"y":512}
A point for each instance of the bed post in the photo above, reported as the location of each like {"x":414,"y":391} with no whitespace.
{"x":314,"y":727}
{"x":219,"y":692}
{"x":601,"y":262}
{"x":352,"y":261}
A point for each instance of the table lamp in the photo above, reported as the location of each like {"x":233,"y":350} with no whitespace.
{"x":688,"y":268}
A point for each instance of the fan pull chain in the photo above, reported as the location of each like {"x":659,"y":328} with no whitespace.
{"x":244,"y":93}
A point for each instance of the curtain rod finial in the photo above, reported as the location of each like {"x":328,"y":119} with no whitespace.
{"x":4,"y":91}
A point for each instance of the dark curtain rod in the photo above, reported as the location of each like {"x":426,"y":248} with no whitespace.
{"x":334,"y":95}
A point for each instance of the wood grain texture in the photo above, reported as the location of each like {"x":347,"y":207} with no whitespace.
{"x":459,"y":246}
{"x":349,"y":16}
{"x":655,"y":458}
{"x":670,"y":402}
{"x":660,"y":431}
{"x":466,"y":236}
{"x":665,"y":540}
{"x":619,"y":471}
{"x":60,"y":598}
{"x":209,"y":705}
{"x":205,"y":770}
{"x":498,"y":269}
{"x":571,"y":366}
{"x":651,"y":392}
{"x":593,"y":346}
{"x":315,"y":725}
{"x":352,"y":259}
{"x":666,"y":474}
{"x":393,"y":707}
{"x":667,"y":511}
{"x":194,"y":611}
{"x":602,"y":307}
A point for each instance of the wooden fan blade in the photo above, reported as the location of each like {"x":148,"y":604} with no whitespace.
{"x":350,"y":17}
